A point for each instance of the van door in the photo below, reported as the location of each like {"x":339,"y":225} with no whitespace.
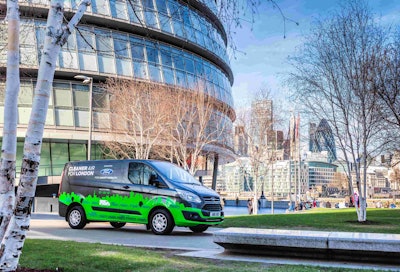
{"x":131,"y":194}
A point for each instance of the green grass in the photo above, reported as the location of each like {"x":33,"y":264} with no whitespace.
{"x":86,"y":257}
{"x":378,"y":220}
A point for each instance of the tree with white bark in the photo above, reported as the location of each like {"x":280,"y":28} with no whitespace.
{"x":9,"y":144}
{"x":334,"y":79}
{"x":56,"y":36}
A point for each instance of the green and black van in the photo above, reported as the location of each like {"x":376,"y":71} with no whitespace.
{"x":158,"y":194}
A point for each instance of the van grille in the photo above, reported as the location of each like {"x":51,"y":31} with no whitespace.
{"x":211,"y":199}
{"x":212,"y":203}
{"x":212,"y":207}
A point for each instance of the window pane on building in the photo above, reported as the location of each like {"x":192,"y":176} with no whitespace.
{"x":68,"y":60}
{"x":81,"y":98}
{"x":140,"y":69}
{"x":81,"y":118}
{"x":50,"y":117}
{"x":25,"y":94}
{"x":62,"y":95}
{"x":77,"y":152}
{"x":118,"y":9}
{"x":45,"y":168}
{"x":59,"y":155}
{"x":64,"y":117}
{"x":100,"y":7}
{"x":24,"y":115}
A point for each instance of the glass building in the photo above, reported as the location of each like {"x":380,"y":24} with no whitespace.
{"x":321,"y":139}
{"x":172,"y":42}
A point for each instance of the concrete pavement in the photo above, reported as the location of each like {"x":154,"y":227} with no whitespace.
{"x":51,"y":226}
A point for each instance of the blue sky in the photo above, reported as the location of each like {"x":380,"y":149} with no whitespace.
{"x":264,"y":61}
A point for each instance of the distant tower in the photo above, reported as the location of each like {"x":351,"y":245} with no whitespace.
{"x":240,"y":141}
{"x":261,"y":116}
{"x":321,"y":139}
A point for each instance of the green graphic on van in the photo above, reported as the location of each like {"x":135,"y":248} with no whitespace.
{"x":96,"y":207}
{"x":156,"y":193}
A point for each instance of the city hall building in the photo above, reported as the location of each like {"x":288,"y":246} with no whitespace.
{"x":171,"y":42}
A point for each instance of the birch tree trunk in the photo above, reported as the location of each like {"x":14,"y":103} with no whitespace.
{"x":56,"y":36}
{"x":9,"y":144}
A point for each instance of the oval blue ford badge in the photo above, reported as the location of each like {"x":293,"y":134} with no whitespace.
{"x":106,"y":171}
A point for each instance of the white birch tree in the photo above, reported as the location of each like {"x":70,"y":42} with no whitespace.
{"x":56,"y":36}
{"x":9,"y":143}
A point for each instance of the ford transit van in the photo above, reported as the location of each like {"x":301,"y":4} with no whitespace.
{"x":158,"y":194}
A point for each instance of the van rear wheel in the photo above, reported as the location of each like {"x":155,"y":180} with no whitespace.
{"x":199,"y":228}
{"x":76,"y":218}
{"x":161,"y":222}
{"x":117,"y":225}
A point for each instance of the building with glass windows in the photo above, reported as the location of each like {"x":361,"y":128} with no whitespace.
{"x":321,"y":139}
{"x":174,"y":42}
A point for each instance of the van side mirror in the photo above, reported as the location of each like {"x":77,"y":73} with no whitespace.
{"x":154,"y":180}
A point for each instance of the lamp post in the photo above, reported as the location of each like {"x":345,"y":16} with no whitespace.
{"x":88,"y":80}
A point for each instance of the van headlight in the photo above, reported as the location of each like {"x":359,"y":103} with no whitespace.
{"x":188,"y":196}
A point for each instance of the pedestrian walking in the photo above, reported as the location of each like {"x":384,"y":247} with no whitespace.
{"x":250,"y":206}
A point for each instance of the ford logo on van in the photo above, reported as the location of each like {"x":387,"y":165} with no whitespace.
{"x":106,"y":171}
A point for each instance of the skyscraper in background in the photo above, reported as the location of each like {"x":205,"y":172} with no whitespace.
{"x":321,"y":139}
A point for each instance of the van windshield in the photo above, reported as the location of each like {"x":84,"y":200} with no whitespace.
{"x":175,"y":173}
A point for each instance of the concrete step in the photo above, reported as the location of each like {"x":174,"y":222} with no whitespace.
{"x":351,"y":246}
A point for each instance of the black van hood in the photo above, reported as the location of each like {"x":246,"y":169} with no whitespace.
{"x":196,"y":189}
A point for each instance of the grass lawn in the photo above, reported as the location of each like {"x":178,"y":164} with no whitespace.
{"x":70,"y":256}
{"x":378,"y":220}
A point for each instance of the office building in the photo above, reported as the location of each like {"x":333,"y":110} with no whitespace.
{"x":169,"y":42}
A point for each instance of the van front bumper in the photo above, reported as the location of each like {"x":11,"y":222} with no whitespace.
{"x":194,"y":216}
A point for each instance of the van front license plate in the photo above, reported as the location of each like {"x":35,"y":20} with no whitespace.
{"x":215,"y":214}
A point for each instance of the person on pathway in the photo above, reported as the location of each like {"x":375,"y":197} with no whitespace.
{"x":250,"y":206}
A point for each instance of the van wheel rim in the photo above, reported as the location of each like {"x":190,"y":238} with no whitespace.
{"x":160,"y":222}
{"x":75,"y":218}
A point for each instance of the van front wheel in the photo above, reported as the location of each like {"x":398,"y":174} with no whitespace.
{"x":76,"y":218}
{"x":161,"y":222}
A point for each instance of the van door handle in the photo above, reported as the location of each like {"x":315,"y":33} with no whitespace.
{"x":125,"y":187}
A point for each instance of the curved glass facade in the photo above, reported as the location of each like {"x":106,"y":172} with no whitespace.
{"x":163,"y":41}
{"x":321,"y":139}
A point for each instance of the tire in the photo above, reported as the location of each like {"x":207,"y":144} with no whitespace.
{"x":117,"y":225}
{"x":199,"y":228}
{"x":76,"y":218}
{"x":161,"y":222}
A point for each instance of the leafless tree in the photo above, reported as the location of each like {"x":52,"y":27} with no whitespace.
{"x":198,"y":127}
{"x":387,"y":87}
{"x":333,"y":79}
{"x":140,"y":115}
{"x":258,"y":124}
{"x":154,"y":121}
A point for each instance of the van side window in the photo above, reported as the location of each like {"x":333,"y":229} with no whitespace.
{"x":134,"y":172}
{"x":140,"y":173}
